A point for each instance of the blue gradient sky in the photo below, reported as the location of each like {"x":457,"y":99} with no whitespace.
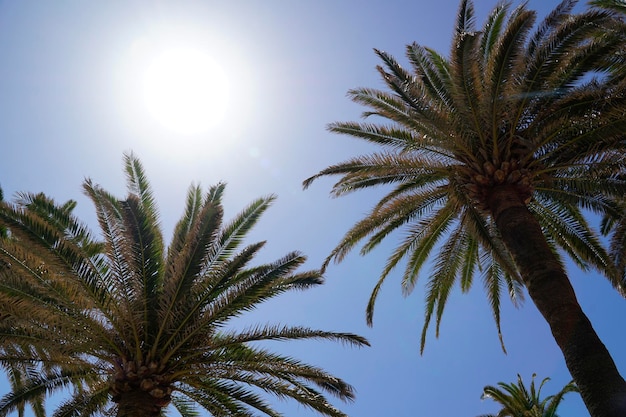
{"x":66,"y":113}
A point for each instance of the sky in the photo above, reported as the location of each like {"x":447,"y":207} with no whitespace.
{"x":73,"y":100}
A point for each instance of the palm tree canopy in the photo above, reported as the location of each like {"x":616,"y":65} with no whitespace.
{"x":518,"y":401}
{"x":137,"y":325}
{"x":516,"y":106}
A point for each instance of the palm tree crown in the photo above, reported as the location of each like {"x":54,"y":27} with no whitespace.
{"x":136,"y":326}
{"x":495,"y":153}
{"x":518,"y":401}
{"x":507,"y":109}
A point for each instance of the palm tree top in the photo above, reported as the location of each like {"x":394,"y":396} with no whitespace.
{"x":515,"y":108}
{"x":142,"y":325}
{"x":518,"y":401}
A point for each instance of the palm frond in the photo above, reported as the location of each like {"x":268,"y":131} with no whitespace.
{"x":37,"y":386}
{"x":281,"y":333}
{"x":84,"y":403}
{"x":617,"y":5}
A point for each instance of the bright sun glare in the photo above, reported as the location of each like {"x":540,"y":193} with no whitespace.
{"x":185,"y":90}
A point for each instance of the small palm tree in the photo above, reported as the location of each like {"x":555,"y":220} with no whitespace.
{"x":495,"y":153}
{"x":132,"y":327}
{"x":518,"y":401}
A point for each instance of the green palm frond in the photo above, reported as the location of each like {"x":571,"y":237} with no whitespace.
{"x":19,"y":374}
{"x":565,"y":226}
{"x":86,"y":402}
{"x":431,"y":84}
{"x":614,"y":225}
{"x":275,"y":332}
{"x":185,"y":406}
{"x":40,"y":385}
{"x":224,"y":398}
{"x":617,"y":5}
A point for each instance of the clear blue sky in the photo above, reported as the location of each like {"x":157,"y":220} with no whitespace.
{"x":68,"y":111}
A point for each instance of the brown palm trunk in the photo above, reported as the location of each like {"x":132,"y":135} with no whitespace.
{"x":137,"y":403}
{"x":601,"y":386}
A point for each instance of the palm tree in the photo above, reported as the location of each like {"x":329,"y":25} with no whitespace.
{"x":518,"y":401}
{"x":494,"y":154}
{"x":132,"y":326}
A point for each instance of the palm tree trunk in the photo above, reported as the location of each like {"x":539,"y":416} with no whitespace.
{"x":137,"y":403}
{"x":601,"y":386}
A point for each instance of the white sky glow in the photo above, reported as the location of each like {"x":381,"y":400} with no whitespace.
{"x":184,"y":90}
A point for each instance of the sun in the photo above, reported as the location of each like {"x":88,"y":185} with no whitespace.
{"x":184,"y":90}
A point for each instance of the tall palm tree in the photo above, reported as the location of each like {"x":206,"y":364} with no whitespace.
{"x":494,"y":154}
{"x":518,"y":401}
{"x":132,"y":326}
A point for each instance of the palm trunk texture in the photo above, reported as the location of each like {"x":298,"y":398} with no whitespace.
{"x":602,"y":387}
{"x":137,"y":403}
